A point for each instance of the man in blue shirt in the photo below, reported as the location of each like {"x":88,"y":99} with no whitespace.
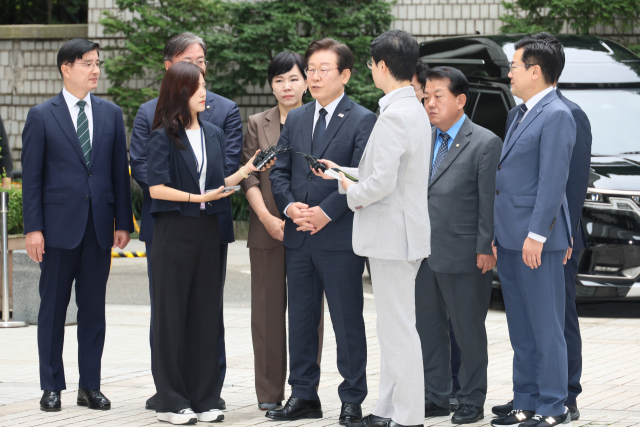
{"x":455,"y":281}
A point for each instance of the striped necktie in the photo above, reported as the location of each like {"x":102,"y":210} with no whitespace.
{"x":442,"y":151}
{"x":83,"y":132}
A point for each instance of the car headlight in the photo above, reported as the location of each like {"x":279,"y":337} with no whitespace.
{"x":595,"y":197}
{"x":636,"y":199}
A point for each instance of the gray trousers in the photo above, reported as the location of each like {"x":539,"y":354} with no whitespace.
{"x":464,"y":298}
{"x":401,"y":390}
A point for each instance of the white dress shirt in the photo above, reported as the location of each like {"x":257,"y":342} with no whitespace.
{"x":531,"y":103}
{"x":330,"y":109}
{"x":72,"y":104}
{"x":197,"y":144}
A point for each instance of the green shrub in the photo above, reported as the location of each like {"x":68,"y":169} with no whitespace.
{"x":14,"y":217}
{"x":239,"y":204}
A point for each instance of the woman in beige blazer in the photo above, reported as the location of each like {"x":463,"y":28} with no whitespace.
{"x":266,"y":231}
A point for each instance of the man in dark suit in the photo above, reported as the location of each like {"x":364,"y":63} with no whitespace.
{"x":532,"y":235}
{"x":455,"y":281}
{"x":75,"y":184}
{"x":577,"y":184}
{"x":220,"y":111}
{"x":317,"y":234}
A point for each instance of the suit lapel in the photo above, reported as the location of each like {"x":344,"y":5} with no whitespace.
{"x":456,"y":148}
{"x":98,"y":126}
{"x":307,"y":126}
{"x":189,"y":156}
{"x":271,"y":127}
{"x":63,"y":117}
{"x":434,"y":134}
{"x":334,"y":124}
{"x":208,"y":110}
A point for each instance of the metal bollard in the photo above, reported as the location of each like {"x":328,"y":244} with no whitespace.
{"x":6,"y":323}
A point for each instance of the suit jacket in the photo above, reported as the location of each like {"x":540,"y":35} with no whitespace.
{"x":263,"y":130}
{"x":532,"y":176}
{"x":390,"y":199}
{"x":578,"y":169}
{"x":176,"y":168}
{"x":292,"y":180}
{"x":461,"y":196}
{"x":57,"y":185}
{"x":220,"y":111}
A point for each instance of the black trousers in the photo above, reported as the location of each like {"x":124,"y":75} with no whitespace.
{"x":185,"y":259}
{"x":88,"y":264}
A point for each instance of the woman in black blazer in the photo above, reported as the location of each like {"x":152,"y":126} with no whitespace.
{"x":186,"y":174}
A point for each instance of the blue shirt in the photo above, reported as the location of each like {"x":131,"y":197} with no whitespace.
{"x":451,"y":132}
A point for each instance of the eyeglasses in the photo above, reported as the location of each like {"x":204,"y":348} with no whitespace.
{"x":201,"y":62}
{"x":370,"y":64}
{"x":321,"y":72}
{"x":417,"y":89}
{"x":89,"y":64}
{"x":511,"y":66}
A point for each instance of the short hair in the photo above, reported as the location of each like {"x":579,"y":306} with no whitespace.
{"x":458,"y":83}
{"x":399,"y":51}
{"x":283,"y":63}
{"x":421,"y":72}
{"x":555,"y":43}
{"x":541,"y":53}
{"x":345,"y":57}
{"x":178,"y":44}
{"x":73,"y":50}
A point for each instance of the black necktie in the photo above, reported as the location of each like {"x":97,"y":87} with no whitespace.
{"x":321,"y":127}
{"x":442,"y":151}
{"x":519,"y":116}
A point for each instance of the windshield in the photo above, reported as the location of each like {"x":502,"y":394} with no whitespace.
{"x":614,"y":117}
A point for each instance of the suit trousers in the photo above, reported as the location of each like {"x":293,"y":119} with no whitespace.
{"x":401,"y":390}
{"x":187,"y":292}
{"x":268,"y":322}
{"x":310,"y":271}
{"x":572,"y":329}
{"x":88,"y":264}
{"x":464,"y":299}
{"x":534,"y":301}
{"x":456,"y":358}
{"x":223,"y":270}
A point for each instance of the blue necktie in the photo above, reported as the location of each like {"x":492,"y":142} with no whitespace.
{"x":318,"y":131}
{"x":442,"y":151}
{"x":519,"y":116}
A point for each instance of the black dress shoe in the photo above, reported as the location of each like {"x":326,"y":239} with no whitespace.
{"x":50,"y":401}
{"x":467,"y":414}
{"x":574,"y":411}
{"x":296,"y":409}
{"x":370,"y":421}
{"x":503,"y":410}
{"x":222,"y":405}
{"x":94,"y":399}
{"x":433,"y":410}
{"x":151,"y":403}
{"x":350,"y":412}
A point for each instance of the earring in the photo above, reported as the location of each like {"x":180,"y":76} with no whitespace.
{"x":305,"y":91}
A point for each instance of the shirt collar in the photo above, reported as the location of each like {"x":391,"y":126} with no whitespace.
{"x":329,"y":108}
{"x":533,"y":101}
{"x":384,"y":101}
{"x":453,"y":132}
{"x":71,"y":100}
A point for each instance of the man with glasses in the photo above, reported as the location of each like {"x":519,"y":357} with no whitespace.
{"x":222,"y":112}
{"x":317,"y":234}
{"x":532,"y":235}
{"x":75,"y":187}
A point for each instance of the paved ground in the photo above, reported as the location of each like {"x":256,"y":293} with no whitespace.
{"x":611,"y":377}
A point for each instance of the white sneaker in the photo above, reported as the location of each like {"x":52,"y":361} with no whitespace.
{"x":184,"y":416}
{"x":211,"y":415}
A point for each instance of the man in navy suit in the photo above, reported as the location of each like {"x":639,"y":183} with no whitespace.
{"x":222,"y":112}
{"x":576,"y":192}
{"x":532,"y":235}
{"x":317,"y":234}
{"x":75,"y":185}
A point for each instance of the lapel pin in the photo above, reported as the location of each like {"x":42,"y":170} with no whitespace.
{"x":208,"y":106}
{"x":457,"y":145}
{"x":340,"y":115}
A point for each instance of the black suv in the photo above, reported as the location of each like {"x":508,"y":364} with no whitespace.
{"x":602,"y":77}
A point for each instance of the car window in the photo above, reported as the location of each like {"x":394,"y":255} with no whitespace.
{"x":490,"y":111}
{"x":614,"y":118}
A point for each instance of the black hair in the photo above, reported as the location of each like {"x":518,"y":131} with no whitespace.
{"x":73,"y":50}
{"x":458,"y":83}
{"x":283,"y":63}
{"x":421,"y":72}
{"x":178,"y":44}
{"x":541,"y":53}
{"x":345,"y":56}
{"x":557,"y":46}
{"x":399,"y":51}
